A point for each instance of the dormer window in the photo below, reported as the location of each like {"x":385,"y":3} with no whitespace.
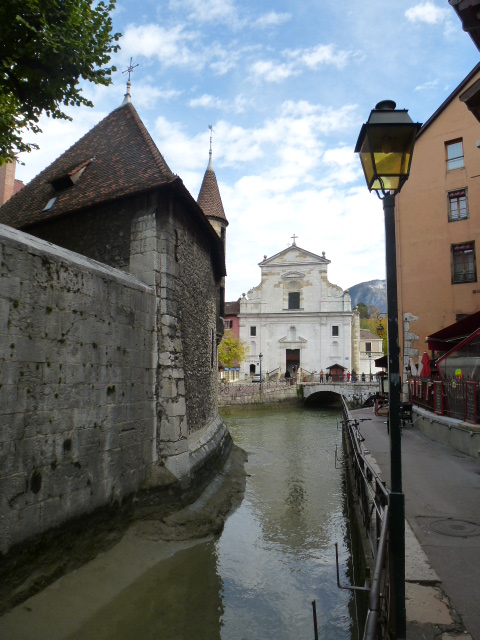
{"x":69,"y":179}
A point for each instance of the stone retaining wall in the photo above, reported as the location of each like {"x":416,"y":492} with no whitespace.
{"x":459,"y":435}
{"x":266,"y":397}
{"x":77,"y":376}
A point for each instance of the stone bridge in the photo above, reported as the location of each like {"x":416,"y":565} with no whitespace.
{"x":355,"y":393}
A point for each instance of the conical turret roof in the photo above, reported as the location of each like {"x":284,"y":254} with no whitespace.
{"x":209,"y":196}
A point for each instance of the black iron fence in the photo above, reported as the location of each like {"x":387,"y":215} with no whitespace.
{"x":455,"y":398}
{"x":373,"y":501}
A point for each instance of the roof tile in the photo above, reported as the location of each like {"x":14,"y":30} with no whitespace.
{"x":120,"y":159}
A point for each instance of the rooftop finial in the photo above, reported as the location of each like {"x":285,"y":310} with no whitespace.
{"x":294,"y":237}
{"x":210,"y":166}
{"x":129,"y":69}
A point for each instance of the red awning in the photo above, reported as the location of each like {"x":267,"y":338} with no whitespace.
{"x":450,"y":336}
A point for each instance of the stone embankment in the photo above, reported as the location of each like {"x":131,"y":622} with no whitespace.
{"x":244,"y":394}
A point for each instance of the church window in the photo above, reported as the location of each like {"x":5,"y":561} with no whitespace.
{"x":335,"y":330}
{"x":253,"y":331}
{"x":294,"y":300}
{"x":368,"y":346}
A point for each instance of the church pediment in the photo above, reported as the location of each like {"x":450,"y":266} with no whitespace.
{"x":292,"y":255}
{"x":298,"y":340}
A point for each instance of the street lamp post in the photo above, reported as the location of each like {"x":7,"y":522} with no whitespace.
{"x":260,"y":358}
{"x":385,"y":145}
{"x":370,"y":363}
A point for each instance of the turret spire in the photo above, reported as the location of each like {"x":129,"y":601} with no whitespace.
{"x":210,"y":165}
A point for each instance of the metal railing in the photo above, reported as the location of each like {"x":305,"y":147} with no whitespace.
{"x":373,"y":502}
{"x":456,"y":398}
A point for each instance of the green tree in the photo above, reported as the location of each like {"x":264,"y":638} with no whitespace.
{"x":362,"y":310}
{"x":231,"y":350}
{"x":46,"y":47}
{"x":372,"y":321}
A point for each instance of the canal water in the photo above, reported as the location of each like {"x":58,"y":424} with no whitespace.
{"x":257,"y":580}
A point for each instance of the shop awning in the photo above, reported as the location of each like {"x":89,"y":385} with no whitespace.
{"x":450,"y":336}
{"x":382,"y":362}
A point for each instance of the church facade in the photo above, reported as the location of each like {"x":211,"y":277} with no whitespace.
{"x":295,"y":318}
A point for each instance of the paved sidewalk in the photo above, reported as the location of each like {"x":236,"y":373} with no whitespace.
{"x":442,"y":540}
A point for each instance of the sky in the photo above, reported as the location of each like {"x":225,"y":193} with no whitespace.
{"x":286,"y":85}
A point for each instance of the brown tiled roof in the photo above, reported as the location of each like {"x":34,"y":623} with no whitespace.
{"x":232,"y":308}
{"x":209,"y":197}
{"x":120,"y":159}
{"x":367,"y":334}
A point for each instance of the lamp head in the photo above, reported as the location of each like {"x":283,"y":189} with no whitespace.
{"x":385,"y":145}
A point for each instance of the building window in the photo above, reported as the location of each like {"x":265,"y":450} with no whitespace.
{"x":228,"y":324}
{"x":368,"y":346}
{"x":253,"y":331}
{"x":463,"y":263}
{"x":454,"y":155}
{"x":457,"y":205}
{"x":335,"y":332}
{"x":294,"y":300}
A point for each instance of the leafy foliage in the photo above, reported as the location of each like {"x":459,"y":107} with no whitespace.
{"x":231,"y":350}
{"x":372,"y":321}
{"x":46,"y":46}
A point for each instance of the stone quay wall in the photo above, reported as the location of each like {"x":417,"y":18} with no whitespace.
{"x":250,"y":394}
{"x":77,"y":380}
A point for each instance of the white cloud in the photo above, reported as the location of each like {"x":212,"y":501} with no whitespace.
{"x":206,"y":11}
{"x":427,"y":12}
{"x":300,"y":60}
{"x":426,"y":86}
{"x":320,"y":55}
{"x":272,"y":19}
{"x":272,"y":72}
{"x":207,"y":101}
{"x":168,"y":46}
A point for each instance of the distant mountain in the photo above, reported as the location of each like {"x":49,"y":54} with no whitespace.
{"x":373,"y":293}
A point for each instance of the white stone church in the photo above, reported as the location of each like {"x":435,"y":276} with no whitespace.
{"x":295,"y":318}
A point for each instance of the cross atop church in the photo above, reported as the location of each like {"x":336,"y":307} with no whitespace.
{"x":294,"y":237}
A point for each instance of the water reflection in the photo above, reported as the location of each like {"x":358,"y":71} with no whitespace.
{"x":276,"y":553}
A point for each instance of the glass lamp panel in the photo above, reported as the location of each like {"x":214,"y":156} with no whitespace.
{"x":367,"y":161}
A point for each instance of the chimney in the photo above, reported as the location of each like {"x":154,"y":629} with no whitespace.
{"x":7,"y":181}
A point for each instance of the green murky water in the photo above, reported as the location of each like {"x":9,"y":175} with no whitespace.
{"x":256,"y":581}
{"x":275,"y":555}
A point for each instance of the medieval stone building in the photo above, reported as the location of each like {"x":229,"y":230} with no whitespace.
{"x":107,"y":385}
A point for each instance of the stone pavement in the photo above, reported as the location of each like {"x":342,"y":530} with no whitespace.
{"x":442,"y":537}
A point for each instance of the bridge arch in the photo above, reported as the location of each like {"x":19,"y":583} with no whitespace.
{"x":356,"y":394}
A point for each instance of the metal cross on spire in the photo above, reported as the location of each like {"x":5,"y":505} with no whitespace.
{"x":210,"y":126}
{"x":294,"y":237}
{"x":129,"y":70}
